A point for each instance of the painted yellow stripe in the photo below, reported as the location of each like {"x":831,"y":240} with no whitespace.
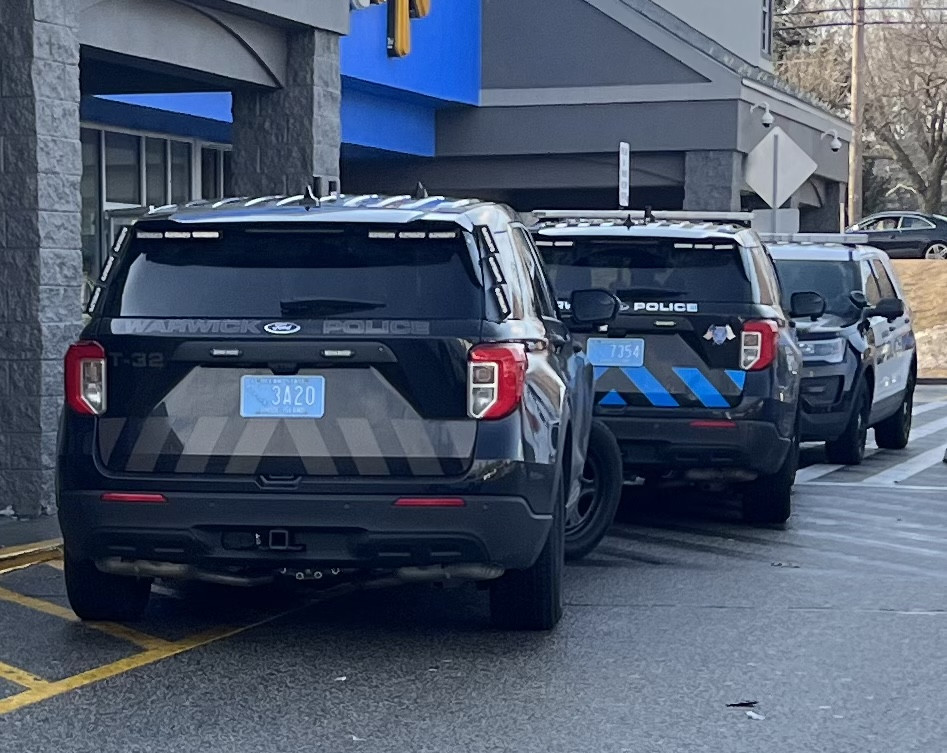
{"x":52,"y":689}
{"x":13,"y":551}
{"x":19,"y":557}
{"x":56,"y":563}
{"x":122,"y":632}
{"x":21,"y":677}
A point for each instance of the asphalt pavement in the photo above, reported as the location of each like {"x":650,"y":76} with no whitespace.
{"x":832,"y":631}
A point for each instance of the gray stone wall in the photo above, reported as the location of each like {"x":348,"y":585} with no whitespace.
{"x":824,"y":219}
{"x":713,"y":181}
{"x":40,"y":257}
{"x":282,"y":138}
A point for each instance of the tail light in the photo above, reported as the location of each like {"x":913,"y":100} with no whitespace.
{"x":758,"y":345}
{"x":496,"y":375}
{"x":85,"y":378}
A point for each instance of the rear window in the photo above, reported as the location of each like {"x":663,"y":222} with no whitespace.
{"x":646,"y":270}
{"x":833,"y":280}
{"x":299,"y":273}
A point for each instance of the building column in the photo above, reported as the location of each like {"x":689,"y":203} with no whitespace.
{"x":283,"y":138}
{"x":40,"y":245}
{"x":713,"y":181}
{"x":824,"y":219}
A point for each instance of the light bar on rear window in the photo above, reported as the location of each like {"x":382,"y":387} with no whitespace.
{"x":845,"y":239}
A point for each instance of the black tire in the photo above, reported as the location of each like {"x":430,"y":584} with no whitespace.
{"x":895,"y":431}
{"x":101,"y":597}
{"x":768,"y":500}
{"x":531,"y":599}
{"x":600,"y":494}
{"x":849,"y":449}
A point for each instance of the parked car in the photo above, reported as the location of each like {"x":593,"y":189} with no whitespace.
{"x":698,"y":377}
{"x":359,"y":383}
{"x":906,"y":235}
{"x":860,"y":356}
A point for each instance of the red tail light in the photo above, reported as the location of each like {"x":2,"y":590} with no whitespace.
{"x":134,"y":497}
{"x":496,"y":375}
{"x":430,"y":502}
{"x":85,"y":378}
{"x":758,"y":345}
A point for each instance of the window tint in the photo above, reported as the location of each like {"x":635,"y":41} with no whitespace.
{"x":545,"y":307}
{"x":885,"y":223}
{"x":769,"y":285}
{"x":915,"y":223}
{"x":646,"y":270}
{"x":834,"y":281}
{"x":298,"y":274}
{"x":884,"y":282}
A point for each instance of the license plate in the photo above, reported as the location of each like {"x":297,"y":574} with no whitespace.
{"x":623,"y":352}
{"x":282,"y":396}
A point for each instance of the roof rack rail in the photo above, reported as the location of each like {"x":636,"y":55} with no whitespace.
{"x":740,"y":218}
{"x":842,"y":239}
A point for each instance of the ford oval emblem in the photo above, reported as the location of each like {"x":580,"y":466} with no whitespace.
{"x":282,"y":328}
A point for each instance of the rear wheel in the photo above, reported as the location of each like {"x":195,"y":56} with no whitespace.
{"x":531,"y":599}
{"x":849,"y":449}
{"x":768,"y":499}
{"x":894,"y":432}
{"x":102,"y":597}
{"x":599,"y":495}
{"x":937,"y":251}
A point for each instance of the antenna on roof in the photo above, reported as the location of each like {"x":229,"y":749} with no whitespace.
{"x":420,"y":192}
{"x":648,"y":216}
{"x":311,"y":198}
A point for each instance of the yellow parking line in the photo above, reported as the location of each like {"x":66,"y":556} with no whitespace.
{"x":19,"y":557}
{"x":52,"y":689}
{"x":12,"y":551}
{"x":56,"y":563}
{"x":142,"y":640}
{"x":21,"y":677}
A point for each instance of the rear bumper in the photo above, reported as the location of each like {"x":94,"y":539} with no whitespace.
{"x":349,"y":531}
{"x":670,"y":444}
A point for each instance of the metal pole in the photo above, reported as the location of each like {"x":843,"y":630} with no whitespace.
{"x":855,"y":156}
{"x":775,"y":179}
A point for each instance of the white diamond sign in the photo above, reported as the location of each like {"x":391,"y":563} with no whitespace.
{"x":777,"y":155}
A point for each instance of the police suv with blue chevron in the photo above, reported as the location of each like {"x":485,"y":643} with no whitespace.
{"x":698,"y":377}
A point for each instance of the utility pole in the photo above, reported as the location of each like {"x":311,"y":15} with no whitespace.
{"x":857,"y":151}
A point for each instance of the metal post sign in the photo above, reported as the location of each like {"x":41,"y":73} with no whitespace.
{"x":624,"y":174}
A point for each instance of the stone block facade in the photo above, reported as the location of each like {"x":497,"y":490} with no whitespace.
{"x":40,"y":257}
{"x":713,"y":181}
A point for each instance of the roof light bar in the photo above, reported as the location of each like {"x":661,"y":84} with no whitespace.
{"x":621,"y":215}
{"x":845,"y":239}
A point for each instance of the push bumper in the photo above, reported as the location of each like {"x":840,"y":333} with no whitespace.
{"x":727,"y":447}
{"x":826,"y":400}
{"x":254,"y":532}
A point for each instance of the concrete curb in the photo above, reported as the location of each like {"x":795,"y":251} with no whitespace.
{"x":18,"y":557}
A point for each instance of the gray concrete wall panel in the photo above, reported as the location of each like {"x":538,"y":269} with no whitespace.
{"x":713,"y":181}
{"x":525,"y":46}
{"x":40,"y":258}
{"x":171,"y":33}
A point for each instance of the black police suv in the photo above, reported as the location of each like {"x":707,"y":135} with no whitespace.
{"x":859,"y":351}
{"x":698,"y":377}
{"x":272,"y":386}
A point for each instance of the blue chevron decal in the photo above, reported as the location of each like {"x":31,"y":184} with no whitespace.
{"x":650,"y":387}
{"x":613,"y":399}
{"x":699,"y":384}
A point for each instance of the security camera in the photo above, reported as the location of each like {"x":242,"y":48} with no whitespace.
{"x":767,"y":119}
{"x":836,"y":144}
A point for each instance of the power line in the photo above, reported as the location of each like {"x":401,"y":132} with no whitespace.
{"x":881,"y":8}
{"x":844,"y":24}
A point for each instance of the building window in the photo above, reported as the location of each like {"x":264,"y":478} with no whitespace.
{"x":91,"y":189}
{"x":156,"y":171}
{"x":228,"y":173}
{"x":211,"y":173}
{"x":180,"y":172}
{"x":122,"y":168}
{"x":768,"y":28}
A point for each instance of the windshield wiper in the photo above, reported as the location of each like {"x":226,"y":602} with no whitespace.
{"x":326,"y":306}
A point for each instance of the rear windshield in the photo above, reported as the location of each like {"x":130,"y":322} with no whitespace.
{"x":833,"y":280}
{"x":646,"y":270}
{"x":303,"y":274}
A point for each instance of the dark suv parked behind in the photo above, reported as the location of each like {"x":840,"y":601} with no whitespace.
{"x":361,"y":383}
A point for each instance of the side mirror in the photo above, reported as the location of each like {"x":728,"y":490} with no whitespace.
{"x":595,"y":307}
{"x":889,"y":308}
{"x":858,"y":298}
{"x":806,"y":305}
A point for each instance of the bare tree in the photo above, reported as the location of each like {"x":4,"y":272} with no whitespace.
{"x":906,"y":84}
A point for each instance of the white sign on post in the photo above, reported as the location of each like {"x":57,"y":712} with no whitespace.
{"x":624,"y":174}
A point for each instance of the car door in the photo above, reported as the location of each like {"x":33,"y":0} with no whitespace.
{"x":900,"y":331}
{"x":914,"y":236}
{"x":879,"y":339}
{"x":882,"y":232}
{"x":570,"y":360}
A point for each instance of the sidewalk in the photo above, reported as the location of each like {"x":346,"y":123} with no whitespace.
{"x":19,"y":532}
